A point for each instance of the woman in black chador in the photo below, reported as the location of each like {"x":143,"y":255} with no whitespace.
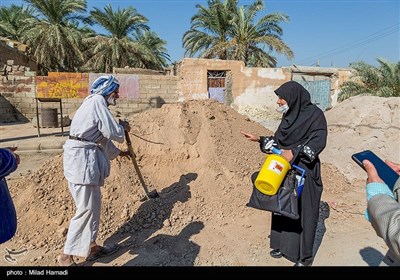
{"x":301,"y":136}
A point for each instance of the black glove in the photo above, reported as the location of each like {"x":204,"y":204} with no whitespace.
{"x":264,"y":140}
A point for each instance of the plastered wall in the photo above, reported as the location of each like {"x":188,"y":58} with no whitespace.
{"x":249,"y":88}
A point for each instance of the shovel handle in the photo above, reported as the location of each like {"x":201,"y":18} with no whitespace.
{"x":127,"y":138}
{"x":135,"y":164}
{"x":129,"y":144}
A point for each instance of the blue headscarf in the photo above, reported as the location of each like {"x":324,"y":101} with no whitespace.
{"x":8,"y":162}
{"x":104,"y":85}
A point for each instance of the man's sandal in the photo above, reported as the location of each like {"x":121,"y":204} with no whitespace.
{"x":65,"y":263}
{"x":102,"y":251}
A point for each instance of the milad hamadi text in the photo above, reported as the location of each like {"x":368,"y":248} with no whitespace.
{"x":38,"y":272}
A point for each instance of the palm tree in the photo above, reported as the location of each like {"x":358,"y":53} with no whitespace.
{"x":369,"y":80}
{"x":209,"y":33}
{"x":54,"y":36}
{"x":119,"y":48}
{"x":159,"y":57}
{"x":14,"y":20}
{"x":250,"y":37}
{"x":224,"y":31}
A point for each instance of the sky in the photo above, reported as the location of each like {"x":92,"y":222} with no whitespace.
{"x":322,"y":33}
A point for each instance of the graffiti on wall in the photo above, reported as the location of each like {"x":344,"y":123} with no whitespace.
{"x":62,"y":85}
{"x":129,"y":84}
{"x":77,"y":85}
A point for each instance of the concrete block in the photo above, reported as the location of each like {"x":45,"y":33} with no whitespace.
{"x":29,"y":73}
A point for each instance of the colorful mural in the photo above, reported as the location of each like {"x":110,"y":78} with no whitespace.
{"x":77,"y":85}
{"x":62,"y":85}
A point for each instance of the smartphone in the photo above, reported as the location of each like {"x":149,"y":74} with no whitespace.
{"x":387,"y":174}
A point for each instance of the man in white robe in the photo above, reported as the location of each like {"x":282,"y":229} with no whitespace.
{"x":87,"y":155}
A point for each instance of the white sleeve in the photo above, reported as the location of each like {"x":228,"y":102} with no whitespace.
{"x":108,"y":126}
{"x":111,"y":150}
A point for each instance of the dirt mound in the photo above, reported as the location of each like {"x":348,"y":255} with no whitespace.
{"x":194,"y":156}
{"x":362,"y":123}
{"x":192,"y":153}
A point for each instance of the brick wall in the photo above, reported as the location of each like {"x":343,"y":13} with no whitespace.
{"x":18,"y":103}
{"x":19,"y":60}
{"x":17,"y":97}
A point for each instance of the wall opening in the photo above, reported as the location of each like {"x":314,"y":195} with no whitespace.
{"x":216,"y":85}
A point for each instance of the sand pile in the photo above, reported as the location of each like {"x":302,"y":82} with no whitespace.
{"x":362,"y":123}
{"x":193,"y":154}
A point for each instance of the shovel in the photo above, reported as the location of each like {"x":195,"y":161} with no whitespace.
{"x":153,"y":193}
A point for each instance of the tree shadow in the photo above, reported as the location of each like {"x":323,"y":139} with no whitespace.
{"x":371,"y":256}
{"x":151,"y":216}
{"x":324,"y":212}
{"x":169,"y":250}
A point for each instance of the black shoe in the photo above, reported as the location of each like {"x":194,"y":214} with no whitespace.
{"x":305,"y":263}
{"x":275,"y":253}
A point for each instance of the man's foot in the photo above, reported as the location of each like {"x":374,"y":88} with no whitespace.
{"x":65,"y":260}
{"x":275,"y":253}
{"x":102,"y":251}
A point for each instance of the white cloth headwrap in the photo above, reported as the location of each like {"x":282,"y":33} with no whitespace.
{"x":104,"y":85}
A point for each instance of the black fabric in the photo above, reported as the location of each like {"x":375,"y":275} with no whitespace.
{"x":304,"y":123}
{"x":301,"y":119}
{"x":295,"y":238}
{"x":284,"y":202}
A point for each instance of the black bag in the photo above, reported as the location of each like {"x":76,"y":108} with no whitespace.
{"x":284,"y":202}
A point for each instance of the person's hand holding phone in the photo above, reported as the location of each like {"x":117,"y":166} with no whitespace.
{"x":371,"y":172}
{"x":378,"y":170}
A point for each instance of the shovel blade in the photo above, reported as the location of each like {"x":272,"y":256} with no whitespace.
{"x":151,"y":195}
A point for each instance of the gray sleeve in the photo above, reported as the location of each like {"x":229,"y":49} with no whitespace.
{"x":384,"y":214}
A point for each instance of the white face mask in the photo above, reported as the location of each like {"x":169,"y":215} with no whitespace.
{"x":111,"y":100}
{"x":283,"y":109}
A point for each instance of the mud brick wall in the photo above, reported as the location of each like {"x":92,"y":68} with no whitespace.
{"x":17,"y":96}
{"x":18,"y":59}
{"x":18,"y":92}
{"x":154,"y":91}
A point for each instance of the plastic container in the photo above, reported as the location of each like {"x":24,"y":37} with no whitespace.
{"x":49,"y":117}
{"x":272,"y":173}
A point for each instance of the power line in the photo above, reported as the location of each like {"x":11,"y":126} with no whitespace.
{"x":360,"y":42}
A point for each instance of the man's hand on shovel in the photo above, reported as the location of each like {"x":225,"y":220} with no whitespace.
{"x":125,"y":125}
{"x":125,"y":154}
{"x":127,"y":128}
